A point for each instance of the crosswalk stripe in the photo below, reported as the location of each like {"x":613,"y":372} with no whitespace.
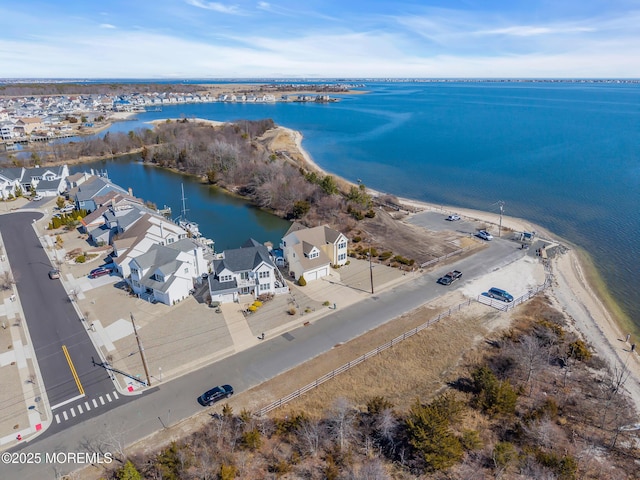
{"x":73,"y":412}
{"x":95,"y":404}
{"x":64,"y":414}
{"x":57,"y":418}
{"x":115,"y":395}
{"x":101,"y":400}
{"x":86,"y":404}
{"x":108,"y":397}
{"x":80,"y":409}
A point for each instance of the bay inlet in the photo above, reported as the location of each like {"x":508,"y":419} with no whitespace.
{"x":562,"y":155}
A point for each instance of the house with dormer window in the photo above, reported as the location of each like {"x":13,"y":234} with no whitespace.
{"x":310,"y":252}
{"x":167,"y":273}
{"x":248,"y":270}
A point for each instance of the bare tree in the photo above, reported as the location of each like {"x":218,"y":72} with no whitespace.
{"x":342,"y":422}
{"x":312,"y":433}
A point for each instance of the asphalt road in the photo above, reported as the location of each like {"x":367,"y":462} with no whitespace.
{"x":52,"y":321}
{"x":176,"y":400}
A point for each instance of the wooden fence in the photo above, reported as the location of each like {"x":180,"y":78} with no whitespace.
{"x":319,"y":381}
{"x":347,"y":366}
{"x":444,"y":257}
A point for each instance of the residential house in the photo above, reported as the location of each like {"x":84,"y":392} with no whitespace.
{"x":135,"y":233}
{"x":248,"y":270}
{"x":84,"y":195}
{"x":49,"y":181}
{"x":310,"y":252}
{"x":26,"y":126}
{"x":112,"y":201}
{"x":167,"y":273}
{"x":6,"y":130}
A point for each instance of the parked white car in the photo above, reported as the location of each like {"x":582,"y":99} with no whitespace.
{"x":37,"y":197}
{"x":484,"y":235}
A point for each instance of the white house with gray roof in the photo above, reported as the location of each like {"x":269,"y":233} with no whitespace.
{"x":85,"y":194}
{"x":310,"y":252}
{"x":167,"y":273}
{"x":248,"y":270}
{"x":139,"y":237}
{"x":47,"y":181}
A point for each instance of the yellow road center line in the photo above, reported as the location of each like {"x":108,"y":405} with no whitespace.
{"x":73,"y":369}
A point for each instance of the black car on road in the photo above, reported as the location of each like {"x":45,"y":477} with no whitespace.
{"x":216,"y":393}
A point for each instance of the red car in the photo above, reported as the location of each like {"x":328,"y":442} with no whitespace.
{"x":99,"y":272}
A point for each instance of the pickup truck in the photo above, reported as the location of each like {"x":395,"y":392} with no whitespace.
{"x":450,"y":277}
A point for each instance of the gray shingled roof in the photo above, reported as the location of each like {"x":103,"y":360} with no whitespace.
{"x":222,"y":287}
{"x":44,"y":185}
{"x":13,"y":173}
{"x":244,"y":258}
{"x":89,"y":189}
{"x":157,"y":255}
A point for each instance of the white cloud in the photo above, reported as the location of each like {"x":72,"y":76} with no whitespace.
{"x":530,"y":30}
{"x":107,"y":25}
{"x":215,"y":6}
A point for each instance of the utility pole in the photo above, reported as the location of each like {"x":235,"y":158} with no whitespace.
{"x":370,"y":270}
{"x":501,"y":205}
{"x":141,"y":349}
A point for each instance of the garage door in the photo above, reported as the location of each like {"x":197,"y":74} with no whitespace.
{"x":323,"y":273}
{"x":311,"y":276}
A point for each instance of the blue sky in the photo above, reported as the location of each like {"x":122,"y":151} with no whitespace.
{"x":319,"y":39}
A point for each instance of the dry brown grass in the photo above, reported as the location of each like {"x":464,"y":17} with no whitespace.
{"x":418,"y":367}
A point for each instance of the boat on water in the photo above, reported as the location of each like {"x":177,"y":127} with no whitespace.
{"x":191,"y":227}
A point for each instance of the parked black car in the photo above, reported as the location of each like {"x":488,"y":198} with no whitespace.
{"x":216,"y":393}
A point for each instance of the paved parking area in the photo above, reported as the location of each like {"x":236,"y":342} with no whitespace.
{"x":436,"y":221}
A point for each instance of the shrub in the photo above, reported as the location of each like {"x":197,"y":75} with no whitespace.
{"x":251,"y":440}
{"x":579,"y":351}
{"x":370,"y":214}
{"x":228,"y":472}
{"x":377,"y":405}
{"x":326,"y":303}
{"x":356,"y":239}
{"x":300,"y":208}
{"x":403,"y":260}
{"x":128,"y":472}
{"x":492,"y":396}
{"x":252,"y":308}
{"x":81,"y":259}
{"x":301,"y":281}
{"x":428,"y":428}
{"x":291,"y":311}
{"x":385,"y":256}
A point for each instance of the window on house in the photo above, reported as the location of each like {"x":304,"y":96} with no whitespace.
{"x":264,"y":274}
{"x":342,"y":245}
{"x":186,"y":270}
{"x":244,"y":275}
{"x":342,"y":256}
{"x":264,"y":287}
{"x":170,"y":240}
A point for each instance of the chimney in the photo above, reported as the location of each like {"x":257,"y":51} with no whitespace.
{"x":131,"y":191}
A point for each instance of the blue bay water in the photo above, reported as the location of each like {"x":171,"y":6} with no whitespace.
{"x":227,"y":220}
{"x":563,"y":155}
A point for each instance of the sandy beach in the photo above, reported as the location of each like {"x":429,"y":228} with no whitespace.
{"x":571,"y":291}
